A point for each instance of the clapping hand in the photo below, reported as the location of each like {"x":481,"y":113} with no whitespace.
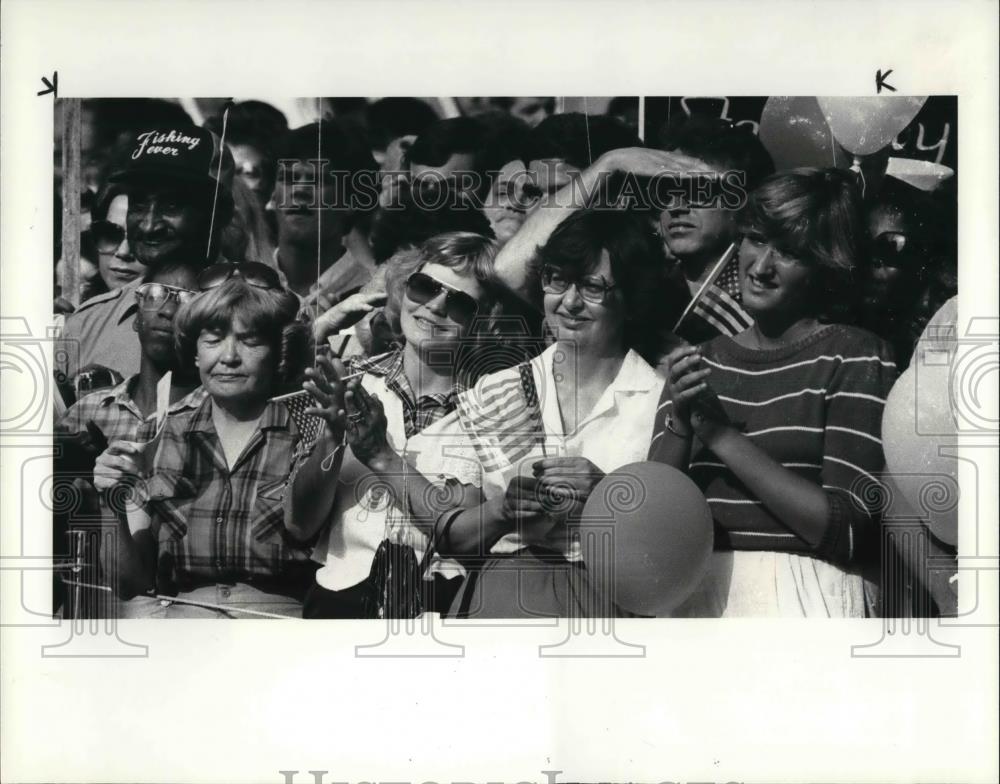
{"x":367,"y":426}
{"x":696,"y":406}
{"x":324,"y":383}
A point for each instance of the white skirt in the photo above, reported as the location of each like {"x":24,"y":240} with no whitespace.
{"x":764,"y":584}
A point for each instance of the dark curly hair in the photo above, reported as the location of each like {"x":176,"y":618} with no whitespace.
{"x":272,"y":313}
{"x":653,"y":299}
{"x":578,"y":139}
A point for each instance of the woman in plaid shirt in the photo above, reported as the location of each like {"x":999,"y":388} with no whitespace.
{"x":210,"y":531}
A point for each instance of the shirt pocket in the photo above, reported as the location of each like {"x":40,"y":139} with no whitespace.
{"x":171,"y":499}
{"x":268,"y":519}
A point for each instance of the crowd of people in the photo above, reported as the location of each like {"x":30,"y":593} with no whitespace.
{"x":375,"y":365}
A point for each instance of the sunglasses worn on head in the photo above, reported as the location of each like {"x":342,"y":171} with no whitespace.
{"x":253,"y":272}
{"x":422,"y":288}
{"x":153,"y":296}
{"x":592,"y":288}
{"x":107,"y":236}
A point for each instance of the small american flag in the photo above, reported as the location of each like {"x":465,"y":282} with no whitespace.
{"x":719,"y":301}
{"x":503,"y":419}
{"x":297,"y":403}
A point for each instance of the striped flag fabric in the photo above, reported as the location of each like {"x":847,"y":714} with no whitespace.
{"x":721,"y":304}
{"x":719,"y":301}
{"x":503,"y":418}
{"x":297,"y":402}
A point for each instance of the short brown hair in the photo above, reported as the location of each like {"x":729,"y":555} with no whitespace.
{"x":813,"y":215}
{"x":273,"y":313}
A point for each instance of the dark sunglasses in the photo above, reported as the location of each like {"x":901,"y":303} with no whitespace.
{"x":422,"y":288}
{"x":153,"y":296}
{"x":891,"y":249}
{"x":253,"y":272}
{"x":107,"y":236}
{"x":592,"y":288}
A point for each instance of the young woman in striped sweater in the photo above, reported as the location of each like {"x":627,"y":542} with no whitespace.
{"x":780,"y":426}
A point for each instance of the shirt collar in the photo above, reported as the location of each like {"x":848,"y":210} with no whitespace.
{"x":388,"y":365}
{"x":634,"y":376}
{"x":275,"y":416}
{"x":121,"y":393}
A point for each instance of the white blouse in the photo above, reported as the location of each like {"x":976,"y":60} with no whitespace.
{"x":616,"y":432}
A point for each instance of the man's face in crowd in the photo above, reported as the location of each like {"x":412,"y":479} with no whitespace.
{"x":252,"y":167}
{"x":425,"y":175}
{"x":698,"y":232}
{"x":532,"y":110}
{"x":298,"y":199}
{"x":155,"y":325}
{"x":167,"y":223}
{"x":507,"y":204}
{"x":548,"y":175}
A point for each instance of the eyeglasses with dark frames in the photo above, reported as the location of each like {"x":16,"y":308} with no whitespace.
{"x":592,"y":288}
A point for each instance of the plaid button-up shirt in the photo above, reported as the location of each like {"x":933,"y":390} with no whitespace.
{"x":113,"y":411}
{"x":216,"y":523}
{"x":418,"y":413}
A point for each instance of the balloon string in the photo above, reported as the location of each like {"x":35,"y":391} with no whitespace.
{"x":319,"y":215}
{"x":856,"y":167}
{"x":586,"y":126}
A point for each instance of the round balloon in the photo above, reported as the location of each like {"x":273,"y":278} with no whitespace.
{"x":795,"y":133}
{"x":866,"y":124}
{"x":662,"y":537}
{"x":918,"y":420}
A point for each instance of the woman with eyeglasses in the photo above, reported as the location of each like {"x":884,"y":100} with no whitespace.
{"x":384,"y":467}
{"x":209,"y":533}
{"x":781,"y":425}
{"x":547,"y":431}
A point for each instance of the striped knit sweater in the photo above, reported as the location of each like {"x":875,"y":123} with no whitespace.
{"x":815,"y":407}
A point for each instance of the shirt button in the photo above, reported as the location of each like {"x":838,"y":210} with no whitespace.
{"x":225,"y":593}
{"x":218,"y":519}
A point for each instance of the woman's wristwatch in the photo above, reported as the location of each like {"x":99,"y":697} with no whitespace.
{"x":669,"y":422}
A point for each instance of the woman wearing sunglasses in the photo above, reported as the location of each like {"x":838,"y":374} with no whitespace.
{"x":117,"y":265}
{"x":210,"y":531}
{"x":901,"y":262}
{"x":781,"y":425}
{"x":397,"y":416}
{"x":546,"y":432}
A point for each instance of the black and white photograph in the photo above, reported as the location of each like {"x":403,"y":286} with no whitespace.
{"x":407,"y":355}
{"x":649,"y":409}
